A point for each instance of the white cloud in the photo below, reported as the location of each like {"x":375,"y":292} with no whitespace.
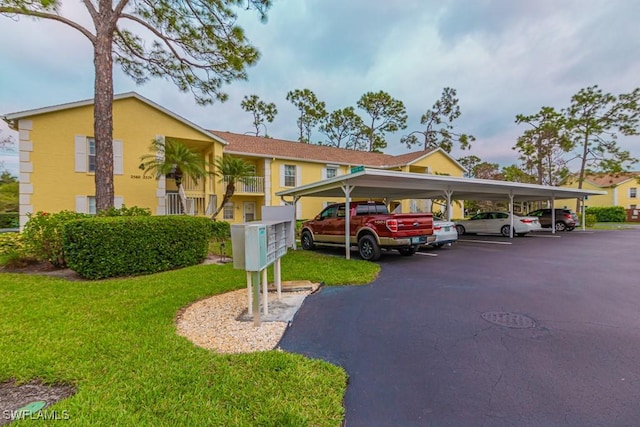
{"x":503,"y":58}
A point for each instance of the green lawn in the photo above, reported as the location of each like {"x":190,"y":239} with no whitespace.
{"x":614,"y":225}
{"x":115,"y":340}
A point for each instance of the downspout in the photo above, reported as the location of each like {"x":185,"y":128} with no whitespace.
{"x":511,"y":214}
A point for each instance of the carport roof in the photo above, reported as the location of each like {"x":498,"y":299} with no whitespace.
{"x":376,"y":183}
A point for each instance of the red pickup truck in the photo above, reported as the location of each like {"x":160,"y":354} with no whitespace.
{"x":371,"y":227}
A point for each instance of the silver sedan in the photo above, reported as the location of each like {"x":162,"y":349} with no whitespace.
{"x":445,"y":232}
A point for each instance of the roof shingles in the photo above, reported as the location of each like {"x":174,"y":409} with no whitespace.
{"x":608,"y":180}
{"x":271,"y":147}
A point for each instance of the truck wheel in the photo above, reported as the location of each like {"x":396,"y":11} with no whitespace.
{"x":408,"y":251}
{"x":307,"y":241}
{"x":368,"y":248}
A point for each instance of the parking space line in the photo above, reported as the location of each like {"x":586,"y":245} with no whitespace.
{"x":485,"y":241}
{"x":426,"y":254}
{"x":553,"y":236}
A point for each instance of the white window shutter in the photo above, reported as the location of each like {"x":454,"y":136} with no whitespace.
{"x":118,"y":202}
{"x":298,"y":176}
{"x":117,"y":157}
{"x":324,"y":173}
{"x":81,"y":153}
{"x":81,"y":204}
{"x":281,"y":175}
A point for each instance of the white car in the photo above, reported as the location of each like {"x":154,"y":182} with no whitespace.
{"x":445,"y":232}
{"x":498,"y":222}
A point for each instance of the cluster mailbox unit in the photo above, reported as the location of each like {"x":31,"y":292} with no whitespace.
{"x":257,"y":245}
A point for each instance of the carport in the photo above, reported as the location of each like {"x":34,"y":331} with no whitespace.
{"x":391,"y":185}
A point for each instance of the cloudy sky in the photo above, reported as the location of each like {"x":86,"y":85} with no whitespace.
{"x":503,"y":57}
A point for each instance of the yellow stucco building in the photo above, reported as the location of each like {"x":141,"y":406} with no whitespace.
{"x":622,"y":189}
{"x":57,"y":163}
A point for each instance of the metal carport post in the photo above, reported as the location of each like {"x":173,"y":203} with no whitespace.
{"x":448,"y":193}
{"x":346,"y":188}
{"x":511,"y":214}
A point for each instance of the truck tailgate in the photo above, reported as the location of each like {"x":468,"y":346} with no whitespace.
{"x":414,"y":224}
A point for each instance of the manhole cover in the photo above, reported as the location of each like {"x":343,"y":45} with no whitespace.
{"x":509,"y":320}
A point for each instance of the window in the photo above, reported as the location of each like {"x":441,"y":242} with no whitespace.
{"x":371,"y":209}
{"x":633,"y":192}
{"x":289,"y":175}
{"x":87,"y":204}
{"x":332,"y":172}
{"x":329,"y":212}
{"x":227,"y":212}
{"x":91,"y":155}
{"x":91,"y":205}
{"x":85,"y":155}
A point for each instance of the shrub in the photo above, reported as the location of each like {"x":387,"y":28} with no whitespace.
{"x":220,"y":230}
{"x":590,"y":220}
{"x":104,"y":247}
{"x":125,"y":211}
{"x":608,"y":214}
{"x":9,"y":220}
{"x":42,"y":235}
{"x":10,"y":243}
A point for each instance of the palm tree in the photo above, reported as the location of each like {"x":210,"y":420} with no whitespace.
{"x":172,"y":156}
{"x":233,"y":170}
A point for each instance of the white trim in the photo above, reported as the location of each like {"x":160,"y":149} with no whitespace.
{"x":80,"y":153}
{"x":81,"y":204}
{"x":117,"y":157}
{"x":26,"y":167}
{"x":267,"y":182}
{"x":127,"y":95}
{"x":282,"y":175}
{"x":26,"y":145}
{"x":404,"y":185}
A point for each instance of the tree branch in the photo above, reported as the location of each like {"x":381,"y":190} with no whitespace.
{"x":51,"y":16}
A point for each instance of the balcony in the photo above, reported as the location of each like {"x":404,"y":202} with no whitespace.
{"x":250,"y":185}
{"x":196,"y":206}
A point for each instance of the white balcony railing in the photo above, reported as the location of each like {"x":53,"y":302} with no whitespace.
{"x":190,"y":185}
{"x":195,"y":205}
{"x":251,"y":185}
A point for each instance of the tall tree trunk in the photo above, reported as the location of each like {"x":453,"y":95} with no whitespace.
{"x":583,"y":166}
{"x":103,"y":116}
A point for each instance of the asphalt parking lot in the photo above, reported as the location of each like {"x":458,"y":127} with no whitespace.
{"x":542,"y":330}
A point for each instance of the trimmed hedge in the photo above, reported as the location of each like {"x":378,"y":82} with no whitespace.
{"x":608,"y":214}
{"x":99,"y":248}
{"x":220,"y":230}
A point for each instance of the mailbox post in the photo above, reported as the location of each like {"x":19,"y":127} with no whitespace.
{"x":256,"y":245}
